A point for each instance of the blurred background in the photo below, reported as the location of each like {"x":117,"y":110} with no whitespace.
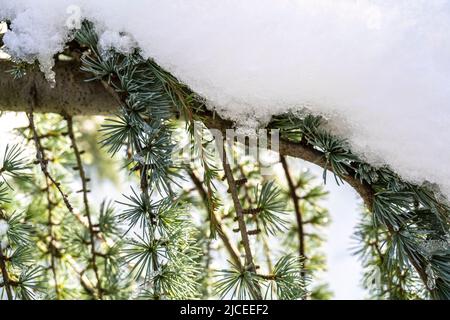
{"x":342,"y":272}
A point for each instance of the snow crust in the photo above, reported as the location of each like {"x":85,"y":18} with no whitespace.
{"x":378,"y":69}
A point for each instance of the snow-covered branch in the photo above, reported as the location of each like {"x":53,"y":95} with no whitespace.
{"x":74,"y":96}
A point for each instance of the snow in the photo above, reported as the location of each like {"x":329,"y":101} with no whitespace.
{"x":4,"y":244}
{"x":3,"y":228}
{"x":378,"y":69}
{"x":119,"y":42}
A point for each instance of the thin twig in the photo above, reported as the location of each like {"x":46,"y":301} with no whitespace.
{"x":297,"y":150}
{"x":49,"y":180}
{"x":298,"y":215}
{"x":145,"y":189}
{"x":85,"y":282}
{"x":43,"y":162}
{"x":298,"y":212}
{"x":249,"y":262}
{"x":254,"y":212}
{"x":51,"y":245}
{"x":85,"y":190}
{"x":232,"y":251}
{"x":6,"y":280}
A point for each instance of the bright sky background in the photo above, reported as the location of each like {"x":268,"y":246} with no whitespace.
{"x":344,"y":270}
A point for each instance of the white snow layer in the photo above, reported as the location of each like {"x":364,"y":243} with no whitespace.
{"x":379,"y":69}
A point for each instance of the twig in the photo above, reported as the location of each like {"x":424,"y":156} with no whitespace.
{"x":145,"y":188}
{"x":297,"y":150}
{"x":254,"y":212}
{"x":40,"y":156}
{"x":51,"y":245}
{"x":85,"y":190}
{"x":232,"y":251}
{"x":43,"y":162}
{"x":298,"y":216}
{"x":249,"y":262}
{"x":85,"y":282}
{"x":49,"y":180}
{"x":298,"y":212}
{"x":6,"y":280}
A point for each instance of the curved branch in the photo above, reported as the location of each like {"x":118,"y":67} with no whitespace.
{"x":74,"y":96}
{"x":300,"y":151}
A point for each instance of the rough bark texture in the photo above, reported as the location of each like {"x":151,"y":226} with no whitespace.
{"x":74,"y":96}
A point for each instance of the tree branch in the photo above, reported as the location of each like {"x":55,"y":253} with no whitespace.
{"x":74,"y":96}
{"x":52,"y":241}
{"x":87,"y":211}
{"x":300,"y":151}
{"x":5,"y":276}
{"x":232,"y":251}
{"x":298,"y":212}
{"x":43,"y":162}
{"x":249,"y":261}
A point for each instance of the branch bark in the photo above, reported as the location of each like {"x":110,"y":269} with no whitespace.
{"x":249,"y":261}
{"x":298,"y":212}
{"x":232,"y":251}
{"x":74,"y":96}
{"x":87,"y":211}
{"x":5,"y":276}
{"x":300,"y":151}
